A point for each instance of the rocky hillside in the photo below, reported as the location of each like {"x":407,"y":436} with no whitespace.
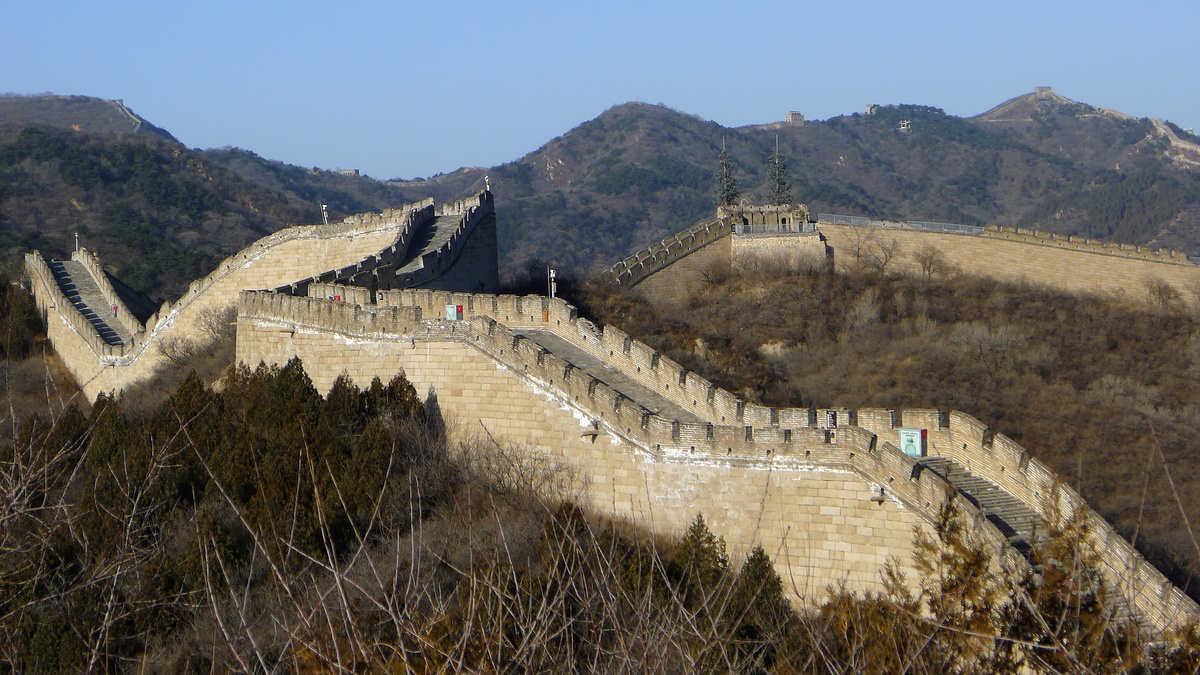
{"x":638,"y":172}
{"x":161,"y":214}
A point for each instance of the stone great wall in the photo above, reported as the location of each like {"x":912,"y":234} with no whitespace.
{"x":825,"y":492}
{"x":409,"y":247}
{"x":669,"y":270}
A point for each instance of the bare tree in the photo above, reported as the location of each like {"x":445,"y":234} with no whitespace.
{"x":932,"y":261}
{"x":881,"y":254}
{"x":177,"y":349}
{"x":1161,"y":294}
{"x":860,"y":238}
{"x":218,"y":324}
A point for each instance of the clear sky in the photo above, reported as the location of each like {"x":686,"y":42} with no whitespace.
{"x":405,"y":89}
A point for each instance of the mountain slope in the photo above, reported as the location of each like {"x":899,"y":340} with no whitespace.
{"x":163,"y":214}
{"x":638,"y":172}
{"x":79,"y":113}
{"x":160,"y":214}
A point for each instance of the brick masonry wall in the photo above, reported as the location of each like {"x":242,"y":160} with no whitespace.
{"x":477,"y":268}
{"x":813,"y":511}
{"x":677,"y":280}
{"x":794,"y":251}
{"x":1009,"y":256}
{"x":732,"y":434}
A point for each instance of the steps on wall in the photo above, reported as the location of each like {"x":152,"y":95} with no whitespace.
{"x":1018,"y":522}
{"x":430,"y":237}
{"x":83,"y":292}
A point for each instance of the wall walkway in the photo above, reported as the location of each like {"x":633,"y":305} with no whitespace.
{"x":760,"y":475}
{"x":367,"y":249}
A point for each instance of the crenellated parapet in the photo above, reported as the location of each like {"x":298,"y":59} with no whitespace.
{"x":53,"y":304}
{"x":365,"y":250}
{"x":92,"y":262}
{"x":1086,"y":245}
{"x":783,"y":218}
{"x":1002,"y":461}
{"x":635,"y":268}
{"x":435,"y":262}
{"x":720,"y":427}
{"x":350,"y":227}
{"x":609,"y":412}
{"x":365,"y":272}
{"x":739,"y":238}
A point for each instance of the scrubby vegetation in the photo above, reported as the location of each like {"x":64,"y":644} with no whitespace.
{"x":1102,"y":389}
{"x":638,"y":172}
{"x":267,"y":529}
{"x":162,"y":215}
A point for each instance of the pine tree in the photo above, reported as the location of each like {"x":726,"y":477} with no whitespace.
{"x":726,"y":189}
{"x":777,"y":174}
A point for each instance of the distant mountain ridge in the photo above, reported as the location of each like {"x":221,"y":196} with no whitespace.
{"x":1040,"y":160}
{"x":79,"y":113}
{"x":611,"y":185}
{"x":159,"y":213}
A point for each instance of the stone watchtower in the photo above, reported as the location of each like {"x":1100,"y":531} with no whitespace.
{"x":788,"y":218}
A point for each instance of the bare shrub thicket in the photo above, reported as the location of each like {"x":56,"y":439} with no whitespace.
{"x":209,"y":352}
{"x":1161,"y":294}
{"x":267,"y":529}
{"x":932,"y":262}
{"x":779,"y":263}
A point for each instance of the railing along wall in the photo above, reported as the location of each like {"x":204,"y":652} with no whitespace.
{"x":653,"y":258}
{"x":1018,"y":234}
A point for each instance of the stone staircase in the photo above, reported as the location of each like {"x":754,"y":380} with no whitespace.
{"x":1010,"y":515}
{"x":1017,"y":521}
{"x":431,"y":236}
{"x":83,"y":292}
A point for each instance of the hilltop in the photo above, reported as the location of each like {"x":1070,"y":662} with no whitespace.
{"x":161,"y":214}
{"x":79,"y":113}
{"x":638,"y":172}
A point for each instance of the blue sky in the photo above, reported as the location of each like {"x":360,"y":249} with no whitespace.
{"x":400,"y":89}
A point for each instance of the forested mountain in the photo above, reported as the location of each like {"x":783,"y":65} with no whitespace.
{"x":159,"y":213}
{"x":639,"y":172}
{"x":163,"y":214}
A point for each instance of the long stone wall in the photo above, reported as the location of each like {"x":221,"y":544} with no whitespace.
{"x":735,"y":456}
{"x":1069,"y":263}
{"x":670,"y":270}
{"x":831,"y":507}
{"x":280,"y":258}
{"x":367,"y":250}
